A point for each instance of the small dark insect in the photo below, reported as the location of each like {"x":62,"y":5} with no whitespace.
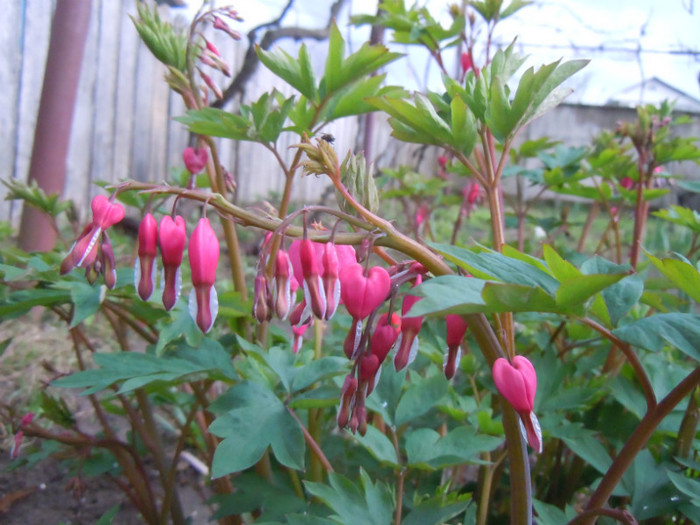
{"x":328,"y":138}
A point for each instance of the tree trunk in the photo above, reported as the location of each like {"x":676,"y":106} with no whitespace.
{"x":52,"y":135}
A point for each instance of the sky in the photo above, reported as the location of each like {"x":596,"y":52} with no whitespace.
{"x":627,"y":41}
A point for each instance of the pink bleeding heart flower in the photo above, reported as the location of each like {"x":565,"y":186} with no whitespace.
{"x":330,"y":278}
{"x":298,"y":332}
{"x":369,"y":366}
{"x":456,"y":330}
{"x":145,"y":267}
{"x":363,"y":293}
{"x":410,"y":326}
{"x":204,"y":258}
{"x":442,"y":160}
{"x":313,"y":284}
{"x":282,"y":285}
{"x":467,"y":62}
{"x":195,"y":159}
{"x":627,"y":183}
{"x":172,"y":237}
{"x":385,"y":335}
{"x":474,"y":193}
{"x":517,"y":383}
{"x":84,"y":252}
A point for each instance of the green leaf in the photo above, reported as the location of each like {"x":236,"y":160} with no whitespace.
{"x":463,"y":127}
{"x":373,"y":504}
{"x":386,"y":394}
{"x":257,"y":420}
{"x":490,"y":264}
{"x":685,"y":276}
{"x":578,"y":290}
{"x":420,"y":396}
{"x":379,"y":446}
{"x":688,"y":486}
{"x":551,"y":515}
{"x":20,"y":302}
{"x":655,"y":332}
{"x":216,"y":123}
{"x":561,"y":269}
{"x":585,"y":445}
{"x":86,"y":301}
{"x":426,"y":449}
{"x":436,"y":511}
{"x":333,"y":74}
{"x":298,"y":73}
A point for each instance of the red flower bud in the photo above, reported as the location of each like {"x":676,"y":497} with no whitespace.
{"x":385,"y":335}
{"x":261,"y":299}
{"x":369,"y":366}
{"x":517,"y":383}
{"x":204,"y":258}
{"x":84,"y":251}
{"x":456,"y":329}
{"x":282,"y":285}
{"x":172,"y":236}
{"x":145,"y":267}
{"x":467,"y":62}
{"x":362,"y":294}
{"x":107,"y":265}
{"x":627,"y":183}
{"x":410,"y":326}
{"x":313,"y":284}
{"x":331,"y":280}
{"x":195,"y":159}
{"x":442,"y":161}
{"x":474,"y":193}
{"x":298,"y":332}
{"x":347,"y":394}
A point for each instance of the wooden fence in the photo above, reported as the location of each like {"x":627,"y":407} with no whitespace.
{"x":124,"y":128}
{"x":123,"y":125}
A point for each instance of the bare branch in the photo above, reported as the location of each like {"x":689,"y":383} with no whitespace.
{"x":274,"y":33}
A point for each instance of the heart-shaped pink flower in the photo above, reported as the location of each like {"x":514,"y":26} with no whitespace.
{"x":195,"y":159}
{"x":517,"y":383}
{"x":361,"y":293}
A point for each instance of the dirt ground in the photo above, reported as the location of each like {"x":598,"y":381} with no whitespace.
{"x":48,"y":493}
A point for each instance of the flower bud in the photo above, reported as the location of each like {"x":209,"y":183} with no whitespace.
{"x":195,"y":159}
{"x":410,"y":326}
{"x":352,"y":340}
{"x":172,"y":236}
{"x":385,"y":335}
{"x":313,"y":284}
{"x":347,"y":394}
{"x":298,"y":332}
{"x":108,"y":266}
{"x":282,"y":291}
{"x":145,"y":267}
{"x":331,"y":280}
{"x":204,"y":258}
{"x":456,"y":329}
{"x":261,"y":299}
